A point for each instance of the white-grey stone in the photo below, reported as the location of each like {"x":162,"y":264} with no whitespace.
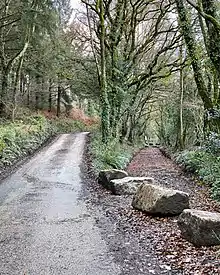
{"x":155,"y":199}
{"x":105,"y":176}
{"x":202,"y":228}
{"x":128,"y":185}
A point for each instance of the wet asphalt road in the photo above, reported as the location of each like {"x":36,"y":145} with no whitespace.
{"x":45,"y":225}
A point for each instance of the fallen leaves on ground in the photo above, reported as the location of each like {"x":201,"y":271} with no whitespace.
{"x":144,"y":244}
{"x":169,"y":245}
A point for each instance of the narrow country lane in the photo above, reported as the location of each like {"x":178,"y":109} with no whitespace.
{"x":45,"y":226}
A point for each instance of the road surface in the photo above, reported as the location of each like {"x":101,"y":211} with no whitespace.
{"x":45,"y":225}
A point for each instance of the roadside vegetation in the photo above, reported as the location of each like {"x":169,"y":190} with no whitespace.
{"x":111,"y":155}
{"x":204,"y":161}
{"x":22,"y":137}
{"x":27,"y":133}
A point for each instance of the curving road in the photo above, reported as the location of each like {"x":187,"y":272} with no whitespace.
{"x":45,"y":225}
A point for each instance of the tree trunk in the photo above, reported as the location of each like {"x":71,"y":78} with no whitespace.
{"x":58,"y":100}
{"x":42,"y":93}
{"x":50,"y":96}
{"x":210,"y":8}
{"x":4,"y":91}
{"x":103,"y":85}
{"x":193,"y":53}
{"x":181,"y":137}
{"x":28,"y":91}
{"x":37,"y":92}
{"x":15,"y":90}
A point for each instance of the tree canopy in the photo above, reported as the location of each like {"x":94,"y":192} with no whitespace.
{"x":149,"y":69}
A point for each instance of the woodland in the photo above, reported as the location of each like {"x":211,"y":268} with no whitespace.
{"x":142,"y":71}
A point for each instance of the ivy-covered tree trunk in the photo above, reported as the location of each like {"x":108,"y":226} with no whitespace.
{"x":105,"y":127}
{"x":67,"y":100}
{"x":210,"y":8}
{"x":193,"y":51}
{"x":181,"y":136}
{"x":116,"y":76}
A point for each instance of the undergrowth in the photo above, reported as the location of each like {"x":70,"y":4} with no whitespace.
{"x":25,"y":135}
{"x":205,"y":163}
{"x":112,"y":155}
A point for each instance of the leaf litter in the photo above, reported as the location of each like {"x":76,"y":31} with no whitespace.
{"x":144,"y":244}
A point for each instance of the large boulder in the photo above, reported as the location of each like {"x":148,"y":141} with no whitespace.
{"x":105,"y":176}
{"x":202,"y":228}
{"x":128,"y":185}
{"x":155,"y":199}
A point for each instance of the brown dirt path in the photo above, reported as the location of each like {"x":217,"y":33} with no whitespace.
{"x":168,"y":243}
